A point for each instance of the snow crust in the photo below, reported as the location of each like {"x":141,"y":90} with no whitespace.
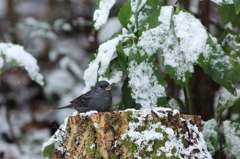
{"x":100,"y":15}
{"x":16,"y":55}
{"x":146,"y":137}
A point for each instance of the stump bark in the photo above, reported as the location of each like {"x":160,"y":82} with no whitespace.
{"x":134,"y":134}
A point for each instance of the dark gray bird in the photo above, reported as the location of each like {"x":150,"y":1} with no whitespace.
{"x":99,"y":98}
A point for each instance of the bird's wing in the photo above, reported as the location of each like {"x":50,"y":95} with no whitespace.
{"x":82,"y":101}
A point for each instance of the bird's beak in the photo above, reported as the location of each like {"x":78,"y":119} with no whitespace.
{"x":108,"y":88}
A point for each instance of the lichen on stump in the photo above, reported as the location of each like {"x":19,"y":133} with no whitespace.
{"x":158,"y":133}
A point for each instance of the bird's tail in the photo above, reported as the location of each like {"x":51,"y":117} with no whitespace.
{"x":66,"y":107}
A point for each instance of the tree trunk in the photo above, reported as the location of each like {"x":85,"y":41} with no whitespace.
{"x":159,"y":133}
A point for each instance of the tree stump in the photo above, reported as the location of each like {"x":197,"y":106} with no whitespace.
{"x":158,"y":133}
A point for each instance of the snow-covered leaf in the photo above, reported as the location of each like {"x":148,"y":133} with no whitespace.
{"x":114,"y":72}
{"x":101,"y":13}
{"x":37,"y":29}
{"x":231,"y":130}
{"x":227,"y":14}
{"x":147,"y":9}
{"x":147,"y":84}
{"x":219,"y":66}
{"x":134,"y":13}
{"x":222,"y":2}
{"x":226,"y":100}
{"x":230,"y":42}
{"x":176,"y":103}
{"x":211,"y":135}
{"x":98,"y":67}
{"x":15,"y":55}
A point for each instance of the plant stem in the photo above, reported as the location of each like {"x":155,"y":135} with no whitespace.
{"x":186,"y":101}
{"x":189,"y":98}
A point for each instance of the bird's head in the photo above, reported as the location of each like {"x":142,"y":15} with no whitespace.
{"x":104,"y":85}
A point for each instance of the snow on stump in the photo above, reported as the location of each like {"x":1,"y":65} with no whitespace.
{"x":157,"y":133}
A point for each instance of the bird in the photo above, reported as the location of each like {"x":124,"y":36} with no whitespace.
{"x":99,"y":98}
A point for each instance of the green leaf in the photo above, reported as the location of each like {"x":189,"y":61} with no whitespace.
{"x":230,"y":42}
{"x":125,"y":14}
{"x":128,"y":101}
{"x":227,"y":14}
{"x":226,"y":100}
{"x":48,"y":151}
{"x":148,"y":8}
{"x":219,"y":66}
{"x":121,"y":57}
{"x":231,"y":131}
{"x":211,"y":135}
{"x":237,"y":6}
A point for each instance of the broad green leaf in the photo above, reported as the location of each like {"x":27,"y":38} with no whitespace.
{"x":121,"y":57}
{"x":227,"y":14}
{"x":211,"y":135}
{"x":231,"y":131}
{"x":101,"y":13}
{"x":15,"y":55}
{"x":127,"y":100}
{"x":230,"y":42}
{"x":48,"y":151}
{"x":226,"y":100}
{"x":124,"y":14}
{"x":219,"y":66}
{"x":237,"y":6}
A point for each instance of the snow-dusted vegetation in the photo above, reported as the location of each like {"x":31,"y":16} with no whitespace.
{"x":166,"y":55}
